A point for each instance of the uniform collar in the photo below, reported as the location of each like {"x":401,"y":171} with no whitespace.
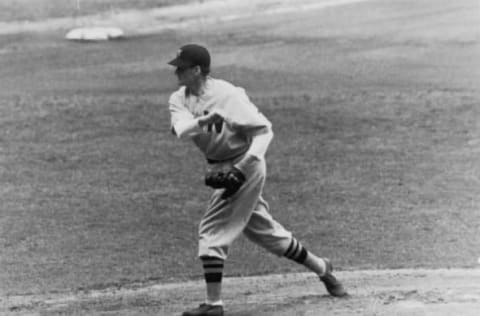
{"x":205,"y":88}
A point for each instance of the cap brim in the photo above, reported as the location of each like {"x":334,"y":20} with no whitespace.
{"x":177,"y":62}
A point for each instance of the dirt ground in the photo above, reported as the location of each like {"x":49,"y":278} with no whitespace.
{"x":372,"y":292}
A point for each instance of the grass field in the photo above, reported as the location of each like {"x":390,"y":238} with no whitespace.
{"x":35,"y":10}
{"x":376,"y":112}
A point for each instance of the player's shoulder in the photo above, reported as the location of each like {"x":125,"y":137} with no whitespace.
{"x":223,"y":87}
{"x":221,"y":84}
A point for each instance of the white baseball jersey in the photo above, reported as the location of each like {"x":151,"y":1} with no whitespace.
{"x":224,"y":140}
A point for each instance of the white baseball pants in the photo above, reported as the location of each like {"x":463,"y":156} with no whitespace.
{"x":245,"y":212}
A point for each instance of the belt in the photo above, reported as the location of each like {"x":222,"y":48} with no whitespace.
{"x":214,"y":161}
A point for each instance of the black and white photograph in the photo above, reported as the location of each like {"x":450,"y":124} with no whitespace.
{"x":240,"y":157}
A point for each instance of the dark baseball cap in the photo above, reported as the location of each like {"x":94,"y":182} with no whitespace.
{"x":191,"y":55}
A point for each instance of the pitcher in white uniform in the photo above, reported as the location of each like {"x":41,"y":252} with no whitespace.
{"x":234,"y":136}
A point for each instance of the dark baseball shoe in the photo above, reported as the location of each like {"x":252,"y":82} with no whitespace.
{"x":334,"y":287}
{"x":205,"y":310}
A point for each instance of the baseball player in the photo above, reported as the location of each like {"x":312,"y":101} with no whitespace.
{"x":234,"y":136}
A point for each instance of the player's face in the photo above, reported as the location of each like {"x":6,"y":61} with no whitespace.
{"x":186,"y":76}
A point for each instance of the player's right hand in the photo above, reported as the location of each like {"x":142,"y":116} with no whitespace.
{"x":210,"y":118}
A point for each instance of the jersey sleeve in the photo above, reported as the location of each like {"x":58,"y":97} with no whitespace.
{"x":182,"y":121}
{"x":240,"y":113}
{"x":260,"y":143}
{"x":257,"y":150}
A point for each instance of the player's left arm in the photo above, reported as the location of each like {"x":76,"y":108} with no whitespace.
{"x":261,"y":140}
{"x":242,"y":115}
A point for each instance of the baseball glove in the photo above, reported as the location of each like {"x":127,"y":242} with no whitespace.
{"x":231,"y":181}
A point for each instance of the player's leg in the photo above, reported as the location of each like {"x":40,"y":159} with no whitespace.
{"x":223,"y":222}
{"x":265,"y":231}
{"x":213,"y":273}
{"x":271,"y":235}
{"x":225,"y":219}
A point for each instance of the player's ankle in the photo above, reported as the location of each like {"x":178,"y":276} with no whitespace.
{"x":214,"y":302}
{"x":316,"y":264}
